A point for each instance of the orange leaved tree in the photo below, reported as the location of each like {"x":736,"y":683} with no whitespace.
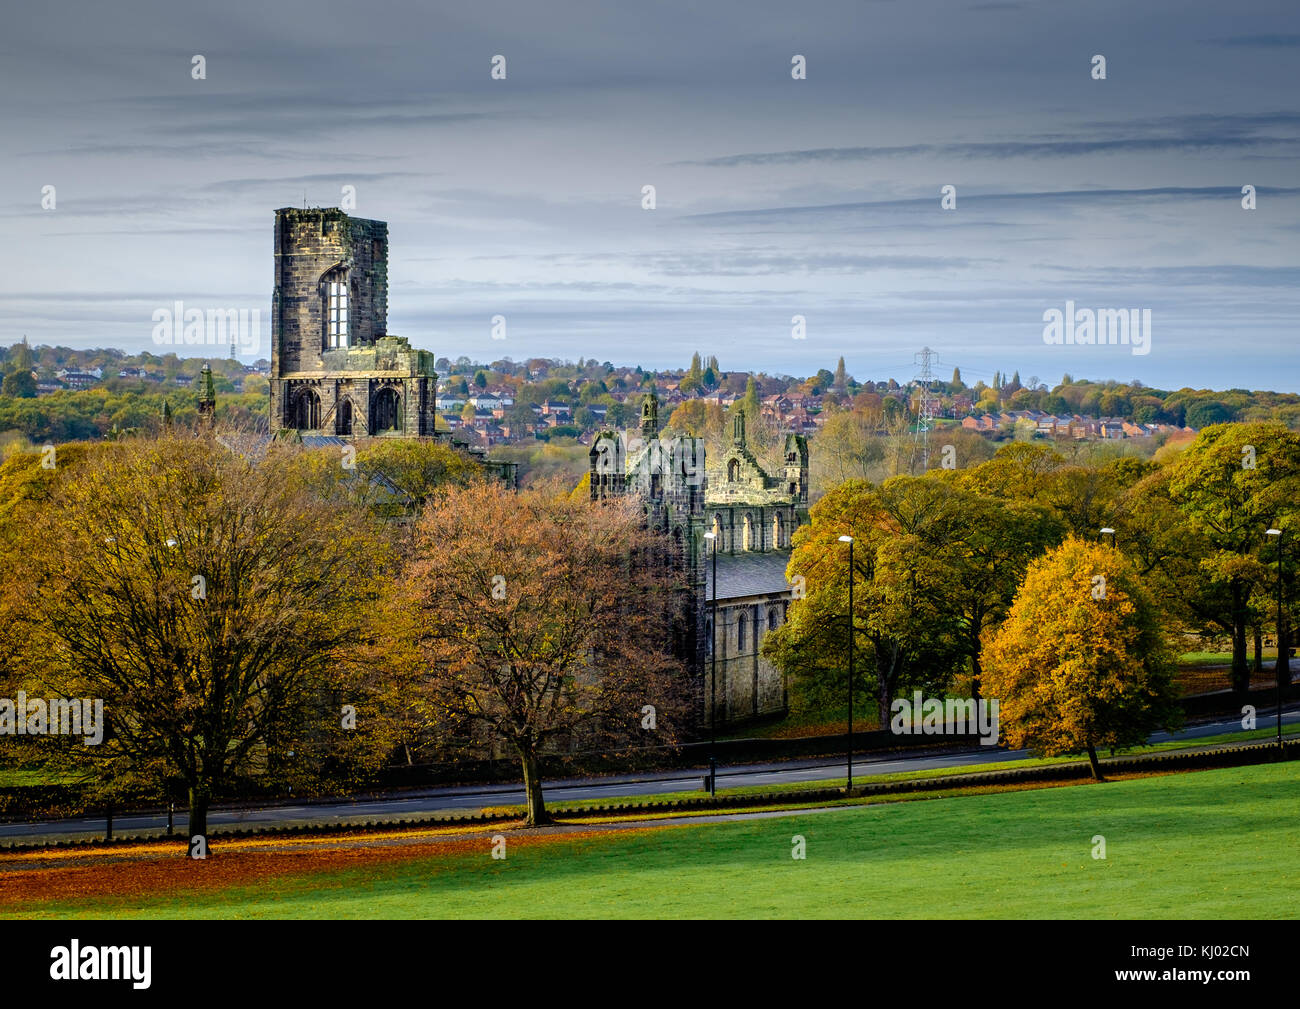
{"x":543,"y":618}
{"x":1081,"y":660}
{"x":206,"y":598}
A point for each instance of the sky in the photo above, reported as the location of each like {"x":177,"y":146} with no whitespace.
{"x":775,"y":197}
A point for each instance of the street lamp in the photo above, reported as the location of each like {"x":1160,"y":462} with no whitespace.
{"x":1108,"y":531}
{"x":849,"y":778}
{"x":1277,"y":672}
{"x":712,"y":537}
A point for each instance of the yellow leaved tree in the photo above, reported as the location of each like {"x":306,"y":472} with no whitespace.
{"x":1082,"y":659}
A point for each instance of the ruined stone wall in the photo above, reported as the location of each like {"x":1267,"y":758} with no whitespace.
{"x":308,"y":244}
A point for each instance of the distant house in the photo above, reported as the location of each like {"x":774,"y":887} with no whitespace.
{"x":78,"y":379}
{"x":94,"y":374}
{"x":470,"y":437}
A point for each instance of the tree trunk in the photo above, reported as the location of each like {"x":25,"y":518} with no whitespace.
{"x":1258,"y":665}
{"x":1092,"y":759}
{"x":975,"y":672}
{"x":537,"y":815}
{"x":1240,"y":666}
{"x":884,"y":698}
{"x":200,"y":796}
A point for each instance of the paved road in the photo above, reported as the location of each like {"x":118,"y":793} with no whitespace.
{"x":469,"y":799}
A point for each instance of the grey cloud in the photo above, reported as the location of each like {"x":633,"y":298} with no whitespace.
{"x":1258,"y":41}
{"x":1008,"y":149}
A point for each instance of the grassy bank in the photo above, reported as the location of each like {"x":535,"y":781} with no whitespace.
{"x":1192,"y":845}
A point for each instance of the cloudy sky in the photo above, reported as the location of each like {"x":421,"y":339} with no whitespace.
{"x":775,"y":197}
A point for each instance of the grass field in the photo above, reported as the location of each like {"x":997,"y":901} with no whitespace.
{"x":1208,"y":844}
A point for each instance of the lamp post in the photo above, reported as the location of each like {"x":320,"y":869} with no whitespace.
{"x":1277,"y":672}
{"x":849,"y":777}
{"x":1108,"y":531}
{"x":712,"y":537}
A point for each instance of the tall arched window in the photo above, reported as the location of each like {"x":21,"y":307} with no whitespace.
{"x":336,"y":308}
{"x":748,"y":540}
{"x":733,"y":470}
{"x":778,"y":540}
{"x":344,"y":423}
{"x":740,"y":633}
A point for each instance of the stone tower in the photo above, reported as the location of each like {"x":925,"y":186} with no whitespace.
{"x":649,"y":417}
{"x":796,"y":467}
{"x":334,"y":368}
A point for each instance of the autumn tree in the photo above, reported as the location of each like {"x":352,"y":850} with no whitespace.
{"x":986,"y":554}
{"x":544,"y":618}
{"x":1081,"y":660}
{"x":1020,"y":470}
{"x":209,"y":599}
{"x":414,"y":468}
{"x":905,"y":629}
{"x":849,"y":446}
{"x":695,"y":418}
{"x":1232,"y":483}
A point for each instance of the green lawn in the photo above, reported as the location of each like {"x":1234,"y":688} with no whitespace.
{"x":24,"y":777}
{"x":1207,"y":844}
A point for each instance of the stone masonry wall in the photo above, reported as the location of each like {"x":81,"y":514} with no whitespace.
{"x":308,"y":244}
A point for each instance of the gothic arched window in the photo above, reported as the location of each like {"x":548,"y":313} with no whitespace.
{"x":336,"y":308}
{"x":740,"y":633}
{"x":387,"y":412}
{"x":306,"y":412}
{"x":344,"y":422}
{"x":733,"y":471}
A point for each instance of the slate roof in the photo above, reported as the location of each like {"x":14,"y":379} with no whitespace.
{"x":747,"y":574}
